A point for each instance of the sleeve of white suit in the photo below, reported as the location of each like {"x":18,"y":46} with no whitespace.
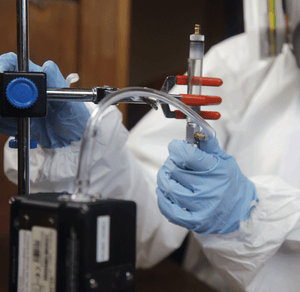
{"x":240,"y":256}
{"x":115,"y":174}
{"x":260,"y":255}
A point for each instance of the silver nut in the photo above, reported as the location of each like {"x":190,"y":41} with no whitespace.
{"x":200,"y":136}
{"x":93,"y":283}
{"x":197,"y":37}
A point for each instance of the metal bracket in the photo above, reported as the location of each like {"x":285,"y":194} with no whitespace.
{"x":167,"y":86}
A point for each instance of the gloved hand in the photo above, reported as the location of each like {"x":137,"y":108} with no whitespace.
{"x":203,"y":189}
{"x":65,"y":121}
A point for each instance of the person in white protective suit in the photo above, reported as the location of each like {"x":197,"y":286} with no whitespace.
{"x":260,"y":127}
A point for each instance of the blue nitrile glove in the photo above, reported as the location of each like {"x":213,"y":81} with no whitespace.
{"x":203,"y":189}
{"x":65,"y":121}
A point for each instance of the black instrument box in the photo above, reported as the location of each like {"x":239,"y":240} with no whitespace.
{"x":59,"y":245}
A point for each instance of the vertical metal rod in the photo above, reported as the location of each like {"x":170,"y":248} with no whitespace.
{"x":23,"y":123}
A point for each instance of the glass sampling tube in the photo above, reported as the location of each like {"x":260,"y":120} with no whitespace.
{"x":195,"y":64}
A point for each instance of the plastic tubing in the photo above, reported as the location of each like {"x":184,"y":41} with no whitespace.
{"x":90,"y":132}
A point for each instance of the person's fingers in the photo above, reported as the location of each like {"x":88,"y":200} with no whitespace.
{"x":172,"y":211}
{"x":212,"y":146}
{"x":185,"y":156}
{"x":175,"y":191}
{"x":8,"y":62}
{"x":34,"y":67}
{"x":54,"y":77}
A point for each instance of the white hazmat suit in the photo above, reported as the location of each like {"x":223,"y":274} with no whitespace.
{"x":260,"y":127}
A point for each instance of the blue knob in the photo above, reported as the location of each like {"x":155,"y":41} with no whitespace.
{"x":21,"y":92}
{"x":14,"y":144}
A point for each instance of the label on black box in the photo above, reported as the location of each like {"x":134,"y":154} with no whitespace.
{"x":37,"y":260}
{"x":103,"y":239}
{"x":24,"y":270}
